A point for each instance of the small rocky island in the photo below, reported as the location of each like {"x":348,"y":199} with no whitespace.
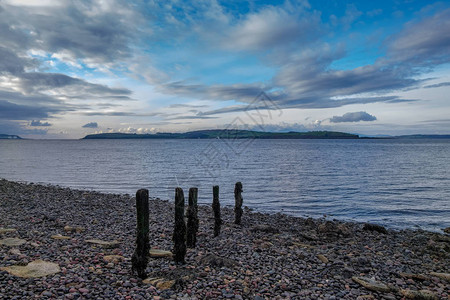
{"x":62,"y":243}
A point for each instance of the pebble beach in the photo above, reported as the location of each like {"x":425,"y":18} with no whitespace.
{"x":89,"y":237}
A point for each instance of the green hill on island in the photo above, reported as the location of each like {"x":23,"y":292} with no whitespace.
{"x":227,"y":134}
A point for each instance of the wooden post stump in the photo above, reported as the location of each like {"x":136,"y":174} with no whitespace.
{"x":216,"y":210}
{"x":238,"y":203}
{"x":192,"y":222}
{"x":179,"y":232}
{"x":139,"y":259}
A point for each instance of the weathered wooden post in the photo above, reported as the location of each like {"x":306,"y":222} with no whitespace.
{"x":216,"y":210}
{"x":238,"y":203}
{"x":192,"y":222}
{"x":179,"y":232}
{"x":139,"y":259}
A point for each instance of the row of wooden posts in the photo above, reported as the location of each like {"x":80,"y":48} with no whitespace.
{"x":184,"y":236}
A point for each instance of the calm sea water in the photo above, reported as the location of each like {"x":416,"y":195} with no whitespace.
{"x":398,"y":183}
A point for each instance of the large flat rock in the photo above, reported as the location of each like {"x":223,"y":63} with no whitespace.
{"x":60,"y":237}
{"x":7,"y":230}
{"x":371,"y":284}
{"x":104,"y":244}
{"x":37,"y":268}
{"x":160,"y":283}
{"x":113,"y":258}
{"x":158,"y":253}
{"x":12,"y":242}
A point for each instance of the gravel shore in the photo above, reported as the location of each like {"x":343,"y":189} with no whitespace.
{"x":267,"y":257}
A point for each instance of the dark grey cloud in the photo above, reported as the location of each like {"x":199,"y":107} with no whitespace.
{"x":307,"y":103}
{"x":186,"y":106}
{"x":39,"y":123}
{"x":85,"y":29}
{"x":54,"y":105}
{"x":90,"y":125}
{"x":36,"y":82}
{"x":437,"y":121}
{"x":197,"y":117}
{"x":424,"y":43}
{"x":242,"y":92}
{"x":353,"y":117}
{"x":11,"y":63}
{"x":442,"y":84}
{"x":122,"y":113}
{"x":308,"y":81}
{"x":12,"y":111}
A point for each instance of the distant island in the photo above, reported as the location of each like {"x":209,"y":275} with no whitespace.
{"x":242,"y":134}
{"x":249,"y":134}
{"x":227,"y":134}
{"x":9,"y":137}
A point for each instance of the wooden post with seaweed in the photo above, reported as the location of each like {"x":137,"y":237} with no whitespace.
{"x":238,"y":203}
{"x":216,"y":210}
{"x":192,"y":215}
{"x":139,"y":259}
{"x":179,"y":232}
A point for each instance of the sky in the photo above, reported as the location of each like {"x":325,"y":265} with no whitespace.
{"x":72,"y":68}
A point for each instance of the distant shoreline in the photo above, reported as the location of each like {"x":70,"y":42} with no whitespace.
{"x":228,"y":134}
{"x":248,"y":134}
{"x":243,"y":134}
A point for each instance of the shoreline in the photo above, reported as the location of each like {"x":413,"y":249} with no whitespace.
{"x":320,"y":216}
{"x":269,"y":256}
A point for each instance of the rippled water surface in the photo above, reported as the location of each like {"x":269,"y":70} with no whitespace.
{"x":399,"y":183}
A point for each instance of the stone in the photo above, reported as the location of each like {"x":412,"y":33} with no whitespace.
{"x":34,"y":269}
{"x":365,"y":297}
{"x":445,"y":276}
{"x":262,"y":244}
{"x":78,"y":229}
{"x":12,"y":242}
{"x":371,"y":284}
{"x":446,"y":230}
{"x":265,"y":229}
{"x":344,"y":230}
{"x":330,"y":227}
{"x":15,"y":251}
{"x":60,"y":237}
{"x":414,"y":276}
{"x":158,"y":253}
{"x":375,"y":227}
{"x":104,"y":244}
{"x":322,"y":258}
{"x":159,"y":283}
{"x":165,"y":284}
{"x":214,"y":260}
{"x":7,"y":230}
{"x":113,"y":258}
{"x":422,"y":294}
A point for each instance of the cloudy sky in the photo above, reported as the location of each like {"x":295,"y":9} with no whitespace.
{"x":71,"y":68}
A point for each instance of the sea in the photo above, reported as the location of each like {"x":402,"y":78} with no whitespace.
{"x":398,"y":183}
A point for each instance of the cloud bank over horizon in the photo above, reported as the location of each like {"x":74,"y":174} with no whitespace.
{"x":178,"y":66}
